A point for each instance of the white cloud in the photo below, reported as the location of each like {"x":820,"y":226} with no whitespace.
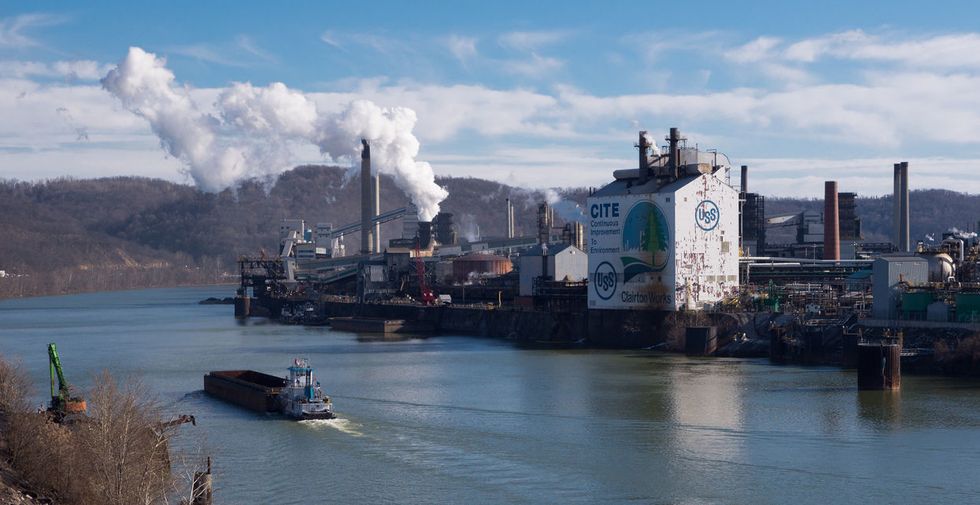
{"x":534,"y":66}
{"x":330,"y":39}
{"x":14,"y":30}
{"x":77,"y":70}
{"x":759,"y":49}
{"x":530,"y":41}
{"x":893,"y":104}
{"x":463,"y":48}
{"x":243,"y":51}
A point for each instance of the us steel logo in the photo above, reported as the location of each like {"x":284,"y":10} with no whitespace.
{"x":604,"y":280}
{"x":707,"y":215}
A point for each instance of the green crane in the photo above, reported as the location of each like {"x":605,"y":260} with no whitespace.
{"x":62,"y":401}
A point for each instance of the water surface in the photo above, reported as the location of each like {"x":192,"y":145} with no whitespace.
{"x":455,"y":419}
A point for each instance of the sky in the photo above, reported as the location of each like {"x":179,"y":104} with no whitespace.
{"x":534,"y":94}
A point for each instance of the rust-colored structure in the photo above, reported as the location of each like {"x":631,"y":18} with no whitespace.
{"x":879,"y":365}
{"x":480,"y":264}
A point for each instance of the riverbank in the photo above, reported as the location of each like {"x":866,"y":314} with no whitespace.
{"x":6,"y":295}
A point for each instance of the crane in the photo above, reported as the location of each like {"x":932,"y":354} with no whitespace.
{"x":62,"y":401}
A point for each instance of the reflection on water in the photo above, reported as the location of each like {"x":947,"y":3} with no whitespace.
{"x":880,"y":409}
{"x":452,"y":419}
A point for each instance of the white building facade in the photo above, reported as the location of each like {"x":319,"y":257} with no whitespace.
{"x":667,"y":243}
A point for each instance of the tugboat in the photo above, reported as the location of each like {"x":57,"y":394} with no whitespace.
{"x":301,"y":398}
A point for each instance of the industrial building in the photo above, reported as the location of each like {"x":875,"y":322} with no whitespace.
{"x":665,"y":235}
{"x":564,"y":262}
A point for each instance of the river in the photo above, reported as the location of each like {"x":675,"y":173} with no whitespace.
{"x":454,"y":419}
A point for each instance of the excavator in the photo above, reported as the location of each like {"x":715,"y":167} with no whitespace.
{"x":63,"y":402}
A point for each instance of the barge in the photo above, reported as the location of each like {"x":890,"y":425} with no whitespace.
{"x":299,"y":396}
{"x":246,"y":388}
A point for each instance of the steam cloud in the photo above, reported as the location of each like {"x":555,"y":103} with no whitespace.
{"x":250,"y":132}
{"x":566,"y":209}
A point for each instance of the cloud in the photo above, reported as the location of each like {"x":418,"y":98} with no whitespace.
{"x":14,"y":30}
{"x":243,"y":51}
{"x":462,"y":48}
{"x":759,"y":49}
{"x":530,"y":41}
{"x":534,"y":66}
{"x":248,"y":45}
{"x":330,"y":39}
{"x":77,"y":70}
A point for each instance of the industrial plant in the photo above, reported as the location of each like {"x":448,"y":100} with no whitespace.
{"x":670,"y":254}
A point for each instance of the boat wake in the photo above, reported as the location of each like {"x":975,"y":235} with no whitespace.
{"x":339,"y":424}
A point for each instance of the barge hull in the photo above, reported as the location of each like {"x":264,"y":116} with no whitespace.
{"x":246,"y":388}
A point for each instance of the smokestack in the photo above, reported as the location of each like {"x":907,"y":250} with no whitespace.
{"x":544,"y":227}
{"x":896,"y":208}
{"x":831,"y":222}
{"x":510,"y":220}
{"x":644,"y":172}
{"x":376,"y":203}
{"x":509,"y":231}
{"x":745,"y":179}
{"x":673,"y":157}
{"x":365,"y":197}
{"x":905,"y":246}
{"x":425,"y":235}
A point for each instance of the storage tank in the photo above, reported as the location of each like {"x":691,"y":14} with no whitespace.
{"x":480,"y":264}
{"x":940,"y":267}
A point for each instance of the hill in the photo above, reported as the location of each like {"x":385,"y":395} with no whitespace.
{"x":68,"y":235}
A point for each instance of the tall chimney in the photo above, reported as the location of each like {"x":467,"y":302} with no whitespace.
{"x":896,"y":208}
{"x":831,"y":222}
{"x":905,"y":246}
{"x":644,"y":171}
{"x":673,"y":157}
{"x":376,"y":203}
{"x":507,"y":217}
{"x":510,"y":217}
{"x":365,"y":197}
{"x":745,"y":179}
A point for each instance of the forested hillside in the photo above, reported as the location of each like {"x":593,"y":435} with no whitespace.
{"x":69,"y":235}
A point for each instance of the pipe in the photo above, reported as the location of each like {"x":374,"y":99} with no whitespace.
{"x":831,"y":222}
{"x":904,"y":210}
{"x":644,"y":164}
{"x":365,"y":197}
{"x":674,"y":155}
{"x":376,"y":190}
{"x":744,"y":181}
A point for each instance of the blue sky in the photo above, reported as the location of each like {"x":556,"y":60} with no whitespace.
{"x":531,"y":93}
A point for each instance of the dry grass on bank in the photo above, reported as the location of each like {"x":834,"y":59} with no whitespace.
{"x":118,"y":455}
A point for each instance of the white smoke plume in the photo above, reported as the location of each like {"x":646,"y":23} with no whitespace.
{"x":250,"y":132}
{"x":566,"y":209}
